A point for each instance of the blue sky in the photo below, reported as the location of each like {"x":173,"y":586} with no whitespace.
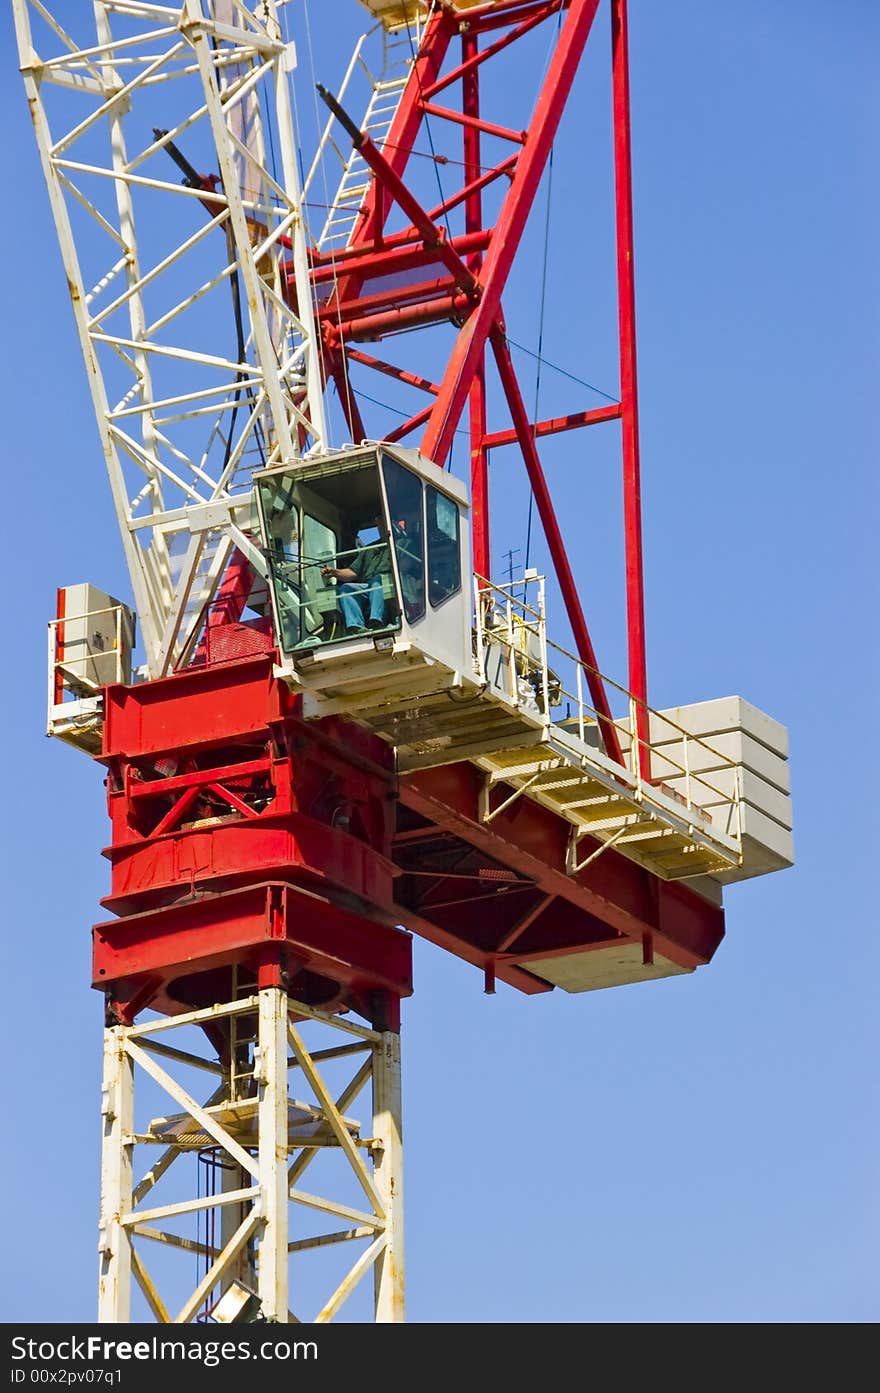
{"x":702,"y":1149}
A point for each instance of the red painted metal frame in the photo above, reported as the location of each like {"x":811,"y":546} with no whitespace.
{"x":564,"y":574}
{"x":555,"y":425}
{"x":57,"y":679}
{"x":470,"y":273}
{"x":162,"y":957}
{"x":473,"y":212}
{"x":239,"y":827}
{"x":471,"y":342}
{"x":632,"y":498}
{"x":236,"y":827}
{"x":556,"y":913}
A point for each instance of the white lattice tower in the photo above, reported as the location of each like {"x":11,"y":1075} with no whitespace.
{"x":191,"y":297}
{"x":269,"y":1228}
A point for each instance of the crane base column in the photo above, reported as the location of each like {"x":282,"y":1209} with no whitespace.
{"x":284,"y":1079}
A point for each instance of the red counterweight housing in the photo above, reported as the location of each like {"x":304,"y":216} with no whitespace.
{"x":241,"y":839}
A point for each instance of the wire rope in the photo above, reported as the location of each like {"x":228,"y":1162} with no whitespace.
{"x":386,"y":406}
{"x":428,"y":125}
{"x":349,"y":403}
{"x":539,"y":359}
{"x":572,"y":377}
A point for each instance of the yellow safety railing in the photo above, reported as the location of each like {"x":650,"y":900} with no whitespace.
{"x":541,"y":674}
{"x":69,"y":671}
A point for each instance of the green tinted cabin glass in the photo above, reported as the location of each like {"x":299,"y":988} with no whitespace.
{"x":444,"y":546}
{"x":282,"y":526}
{"x":404,"y":492}
{"x":331,"y":575}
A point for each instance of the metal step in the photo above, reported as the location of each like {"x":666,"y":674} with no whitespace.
{"x":352,"y":190}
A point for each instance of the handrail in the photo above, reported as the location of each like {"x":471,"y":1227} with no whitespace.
{"x":325,"y":138}
{"x":64,"y":672}
{"x":519,"y":622}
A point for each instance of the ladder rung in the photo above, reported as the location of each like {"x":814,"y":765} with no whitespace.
{"x":355,"y":182}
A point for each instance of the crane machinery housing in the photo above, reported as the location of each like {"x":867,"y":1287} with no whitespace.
{"x":324,"y":725}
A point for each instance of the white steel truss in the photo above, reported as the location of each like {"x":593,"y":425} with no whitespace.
{"x":191,"y":296}
{"x":257,"y":1231}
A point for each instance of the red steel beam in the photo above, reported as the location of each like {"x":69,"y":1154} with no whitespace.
{"x":473,"y":60}
{"x":160,"y":787}
{"x":477,"y":183}
{"x":510,"y":973}
{"x":421,"y":292}
{"x":554,"y":425}
{"x":482,"y":561}
{"x":473,"y":212}
{"x":408,"y":426}
{"x":461,"y":118}
{"x":532,"y":840}
{"x":626,"y":299}
{"x":471,"y":342}
{"x":567,"y":585}
{"x":390,"y":370}
{"x":369,"y":327}
{"x":391,"y":260}
{"x":496,"y":14}
{"x":347,"y":399}
{"x":524,"y":923}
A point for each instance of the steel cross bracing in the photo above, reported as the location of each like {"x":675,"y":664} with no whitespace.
{"x":257,"y":1231}
{"x":184,"y":417}
{"x":427,"y":272}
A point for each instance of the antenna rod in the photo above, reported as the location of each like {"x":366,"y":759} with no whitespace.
{"x":191,"y":179}
{"x":341,"y":115}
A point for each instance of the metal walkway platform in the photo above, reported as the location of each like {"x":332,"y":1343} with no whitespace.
{"x":523,"y":754}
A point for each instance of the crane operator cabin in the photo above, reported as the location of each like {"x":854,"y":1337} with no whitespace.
{"x":369,"y":568}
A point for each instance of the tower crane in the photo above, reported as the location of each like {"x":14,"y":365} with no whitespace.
{"x":325,"y":725}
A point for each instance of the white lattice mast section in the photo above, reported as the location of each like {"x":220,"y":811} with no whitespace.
{"x":191,"y":297}
{"x":269,"y":1118}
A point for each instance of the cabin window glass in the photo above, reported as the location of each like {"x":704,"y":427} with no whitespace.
{"x":404,"y":491}
{"x":282,"y":526}
{"x":444,"y":546}
{"x":330,"y":563}
{"x":319,"y":543}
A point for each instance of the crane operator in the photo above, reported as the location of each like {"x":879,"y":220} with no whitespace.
{"x":360,"y":582}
